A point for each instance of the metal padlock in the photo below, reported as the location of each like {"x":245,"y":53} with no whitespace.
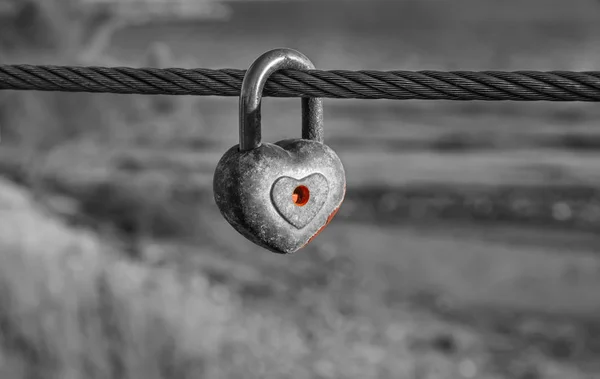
{"x":279,"y":196}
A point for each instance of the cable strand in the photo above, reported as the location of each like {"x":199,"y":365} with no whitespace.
{"x":340,"y":84}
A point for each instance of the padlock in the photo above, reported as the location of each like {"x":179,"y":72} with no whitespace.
{"x":282,"y":195}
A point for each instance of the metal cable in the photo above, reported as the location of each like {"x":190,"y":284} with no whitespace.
{"x":398,"y":85}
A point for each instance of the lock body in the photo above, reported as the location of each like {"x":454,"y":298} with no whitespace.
{"x":280,"y":196}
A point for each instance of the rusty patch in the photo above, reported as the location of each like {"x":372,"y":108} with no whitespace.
{"x":329,"y":218}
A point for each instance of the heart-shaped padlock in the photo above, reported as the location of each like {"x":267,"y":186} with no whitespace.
{"x":279,"y":196}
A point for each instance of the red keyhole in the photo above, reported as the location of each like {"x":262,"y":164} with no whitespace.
{"x":300,"y":196}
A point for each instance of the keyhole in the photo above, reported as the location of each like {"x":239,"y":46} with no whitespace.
{"x":300,"y":196}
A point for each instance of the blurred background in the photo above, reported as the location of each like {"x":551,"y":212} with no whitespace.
{"x":467,"y":246}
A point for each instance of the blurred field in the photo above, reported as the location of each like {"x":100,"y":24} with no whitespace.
{"x":467,"y":246}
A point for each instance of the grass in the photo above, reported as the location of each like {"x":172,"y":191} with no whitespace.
{"x":84,"y":311}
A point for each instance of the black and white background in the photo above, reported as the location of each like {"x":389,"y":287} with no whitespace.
{"x":467,"y":246}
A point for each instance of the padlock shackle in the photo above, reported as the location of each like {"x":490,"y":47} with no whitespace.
{"x":251,"y":97}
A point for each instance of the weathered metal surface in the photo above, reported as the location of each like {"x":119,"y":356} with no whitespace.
{"x":299,"y":213}
{"x":245,"y":184}
{"x":279,"y":196}
{"x":251,"y":97}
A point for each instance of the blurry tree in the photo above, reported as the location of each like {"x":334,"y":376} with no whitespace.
{"x":58,"y":28}
{"x":52,"y":32}
{"x":75,"y":32}
{"x":46,"y":31}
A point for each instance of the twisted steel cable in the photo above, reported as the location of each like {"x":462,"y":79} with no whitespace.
{"x":398,"y":85}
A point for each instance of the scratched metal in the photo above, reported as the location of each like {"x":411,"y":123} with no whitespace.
{"x":300,"y":215}
{"x":251,"y":97}
{"x":254,"y":182}
{"x":243,"y":182}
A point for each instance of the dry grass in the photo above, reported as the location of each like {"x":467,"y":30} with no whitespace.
{"x":72,"y":309}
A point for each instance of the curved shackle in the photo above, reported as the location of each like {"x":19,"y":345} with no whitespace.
{"x":251,"y":97}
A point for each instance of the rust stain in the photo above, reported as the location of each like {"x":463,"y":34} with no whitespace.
{"x":329,"y":218}
{"x":323,"y":227}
